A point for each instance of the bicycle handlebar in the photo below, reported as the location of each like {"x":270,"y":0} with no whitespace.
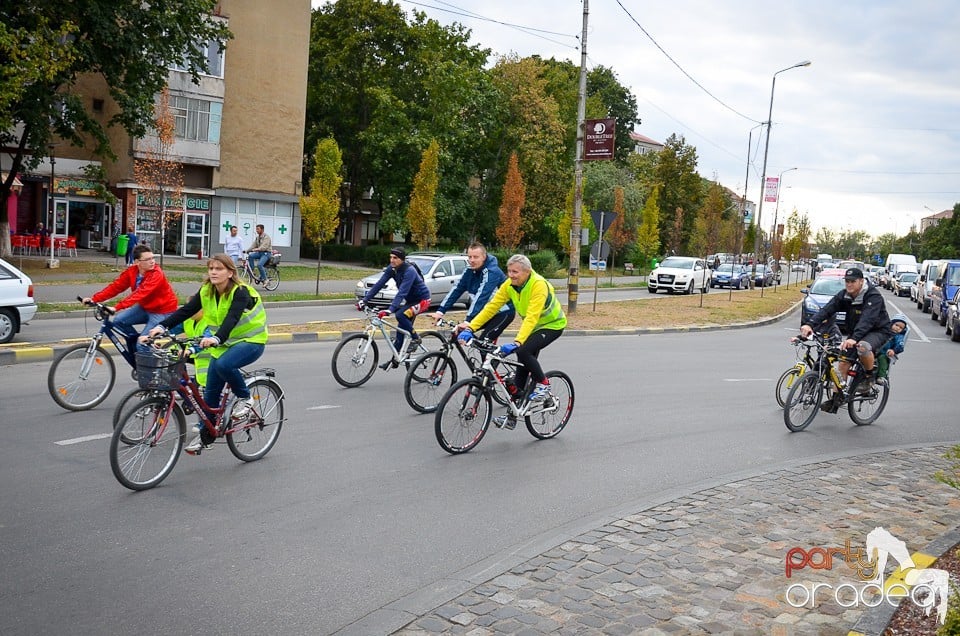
{"x":99,"y":307}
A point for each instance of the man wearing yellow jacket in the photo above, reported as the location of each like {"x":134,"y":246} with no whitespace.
{"x":543,"y":321}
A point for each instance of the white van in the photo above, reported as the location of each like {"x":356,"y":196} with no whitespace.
{"x":897,"y":263}
{"x":929,"y":272}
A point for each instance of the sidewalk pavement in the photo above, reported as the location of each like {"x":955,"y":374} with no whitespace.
{"x":705,"y":560}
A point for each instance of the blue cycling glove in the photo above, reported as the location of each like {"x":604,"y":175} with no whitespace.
{"x":465,"y":336}
{"x":507,"y":349}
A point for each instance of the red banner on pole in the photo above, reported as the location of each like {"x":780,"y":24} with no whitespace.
{"x":599,"y":138}
{"x":772,"y":189}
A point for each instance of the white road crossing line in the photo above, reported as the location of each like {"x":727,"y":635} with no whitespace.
{"x":323,"y":407}
{"x":85,"y":438}
{"x":748,"y":379}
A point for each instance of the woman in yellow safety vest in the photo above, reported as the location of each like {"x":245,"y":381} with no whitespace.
{"x":543,"y":321}
{"x":234,"y":335}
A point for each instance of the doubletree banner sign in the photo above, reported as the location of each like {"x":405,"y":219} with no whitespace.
{"x":599,"y":138}
{"x":194,"y":203}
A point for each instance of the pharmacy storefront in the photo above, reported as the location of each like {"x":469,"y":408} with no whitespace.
{"x":278,"y":214}
{"x":187,"y":221}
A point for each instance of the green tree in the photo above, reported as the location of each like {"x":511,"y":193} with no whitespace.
{"x":707,"y":228}
{"x":680,"y":189}
{"x":648,"y":235}
{"x":509,"y":230}
{"x":131,"y":44}
{"x":320,"y":209}
{"x":383,"y":87}
{"x":422,"y":215}
{"x":796,"y":235}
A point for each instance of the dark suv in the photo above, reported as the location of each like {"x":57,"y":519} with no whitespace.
{"x":441,"y":272}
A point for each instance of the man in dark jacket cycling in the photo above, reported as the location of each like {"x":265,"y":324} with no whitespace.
{"x":410,"y":290}
{"x":866,"y":324}
{"x":481,"y":279}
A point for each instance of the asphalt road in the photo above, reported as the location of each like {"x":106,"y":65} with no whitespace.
{"x":357,"y":506}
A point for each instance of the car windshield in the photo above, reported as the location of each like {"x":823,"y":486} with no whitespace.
{"x":423,"y":263}
{"x":908,"y":278}
{"x":827,"y":286}
{"x":726,"y":268}
{"x":677,"y":262}
{"x":954,"y":278}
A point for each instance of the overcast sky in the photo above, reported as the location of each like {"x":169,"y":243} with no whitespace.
{"x":871,"y":125}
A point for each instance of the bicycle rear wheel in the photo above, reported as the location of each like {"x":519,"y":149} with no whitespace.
{"x":786,"y":382}
{"x":246,"y":274}
{"x":803,"y":402}
{"x":463,"y":416}
{"x":155,"y":447}
{"x":353,"y":363}
{"x":273,"y":278}
{"x":131,"y":397}
{"x":865,"y":408}
{"x":252,"y":440}
{"x":428,"y":379}
{"x":78,"y":381}
{"x":548,"y":420}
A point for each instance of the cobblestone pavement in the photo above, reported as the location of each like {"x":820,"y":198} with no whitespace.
{"x":713,"y":562}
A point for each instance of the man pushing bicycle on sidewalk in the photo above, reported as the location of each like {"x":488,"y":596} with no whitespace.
{"x":866,"y":325}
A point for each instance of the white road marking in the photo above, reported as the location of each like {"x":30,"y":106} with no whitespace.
{"x":747,"y":380}
{"x":323,"y":407}
{"x":85,"y":438}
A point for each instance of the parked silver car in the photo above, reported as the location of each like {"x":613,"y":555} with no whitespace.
{"x":441,"y":272}
{"x":17,"y":305}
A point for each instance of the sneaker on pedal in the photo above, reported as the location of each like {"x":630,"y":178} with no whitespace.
{"x":414,"y":345}
{"x":866,"y":385}
{"x":540,"y":392}
{"x":831,"y":404}
{"x":507,"y":421}
{"x":201,"y":442}
{"x":242,"y":408}
{"x":389,"y":364}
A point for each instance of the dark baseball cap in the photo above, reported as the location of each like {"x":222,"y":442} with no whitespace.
{"x":853,"y":273}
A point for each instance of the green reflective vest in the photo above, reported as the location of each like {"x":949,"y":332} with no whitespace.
{"x":201,"y":359}
{"x":551,"y":316}
{"x":252,"y":326}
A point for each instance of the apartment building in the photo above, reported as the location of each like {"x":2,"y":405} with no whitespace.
{"x":239,"y":141}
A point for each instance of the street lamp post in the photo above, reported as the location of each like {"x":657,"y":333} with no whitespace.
{"x":763,"y":177}
{"x":776,"y":212}
{"x":53,"y":211}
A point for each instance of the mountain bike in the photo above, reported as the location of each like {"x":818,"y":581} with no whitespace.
{"x":82,"y":376}
{"x":804,"y":363}
{"x":865,"y":402}
{"x":465,"y":411}
{"x":149,"y":437}
{"x":355,"y":358}
{"x":433,"y":373}
{"x":250,"y":276}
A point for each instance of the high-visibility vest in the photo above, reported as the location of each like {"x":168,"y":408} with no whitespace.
{"x":552,"y":316}
{"x":201,"y":359}
{"x":252,"y":326}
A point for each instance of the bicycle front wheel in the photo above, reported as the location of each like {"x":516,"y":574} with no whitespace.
{"x":554,"y":413}
{"x":866,"y":407}
{"x":251,"y":440}
{"x":463,"y":416}
{"x":803,"y":402}
{"x":354,"y":362}
{"x":79,"y":380}
{"x":273,"y":278}
{"x":156,"y":444}
{"x":787,"y":379}
{"x":246,"y":274}
{"x":428,"y":379}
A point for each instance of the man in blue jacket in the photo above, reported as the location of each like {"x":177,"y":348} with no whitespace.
{"x":480,"y":280}
{"x":411,"y":291}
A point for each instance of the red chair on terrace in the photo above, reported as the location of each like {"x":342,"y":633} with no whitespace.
{"x":72,"y":245}
{"x":59,"y":244}
{"x":18,"y":242}
{"x":33,"y":243}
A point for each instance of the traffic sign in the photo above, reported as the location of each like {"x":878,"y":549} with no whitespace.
{"x":600,"y":250}
{"x":602,"y":220}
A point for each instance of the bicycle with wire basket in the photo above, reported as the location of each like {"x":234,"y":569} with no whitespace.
{"x":82,"y":376}
{"x":149,"y":437}
{"x":464,"y":413}
{"x":355,"y":358}
{"x":865,"y":400}
{"x":251,"y":277}
{"x":433,"y":373}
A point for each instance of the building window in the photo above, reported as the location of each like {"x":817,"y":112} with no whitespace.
{"x":214,"y":56}
{"x":193,"y":118}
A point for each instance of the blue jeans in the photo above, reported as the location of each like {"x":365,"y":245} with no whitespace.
{"x":127,"y":318}
{"x":226,"y":370}
{"x":258,"y":260}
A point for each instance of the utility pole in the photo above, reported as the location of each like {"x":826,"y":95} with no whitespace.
{"x":573,"y":280}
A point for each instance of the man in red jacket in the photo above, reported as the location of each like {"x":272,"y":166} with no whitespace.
{"x":152,"y":300}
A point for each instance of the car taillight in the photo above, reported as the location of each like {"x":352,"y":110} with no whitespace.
{"x":30,"y":291}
